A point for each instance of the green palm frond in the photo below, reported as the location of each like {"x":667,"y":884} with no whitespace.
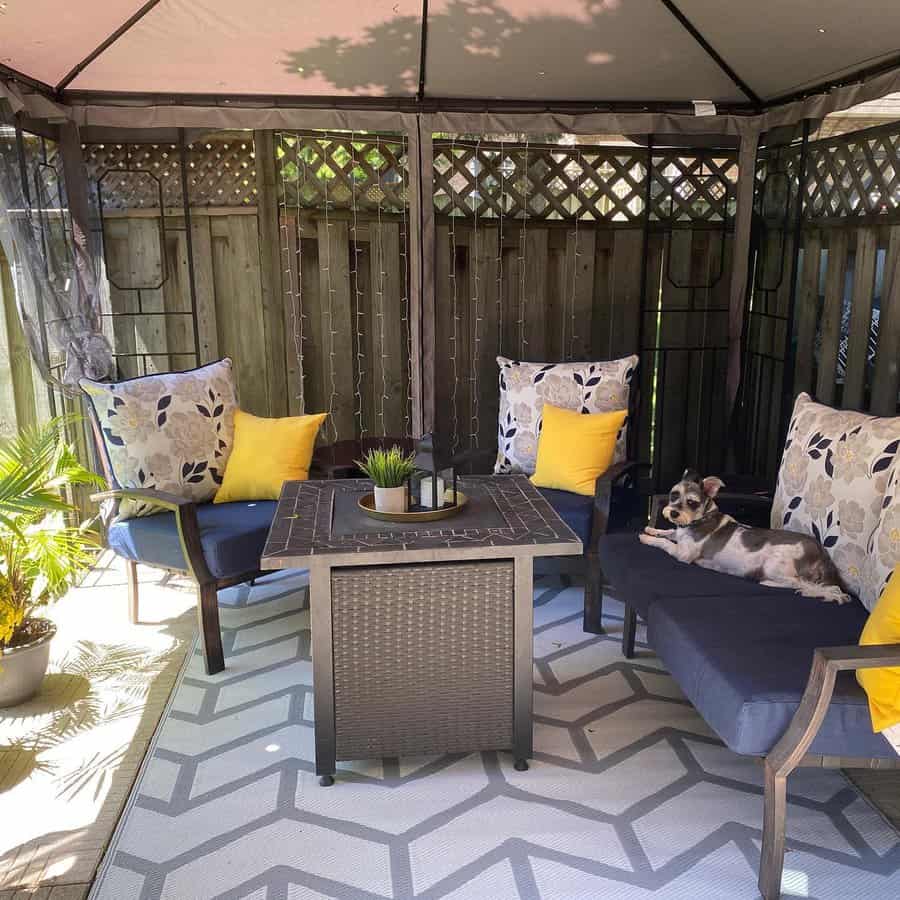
{"x":41,"y":556}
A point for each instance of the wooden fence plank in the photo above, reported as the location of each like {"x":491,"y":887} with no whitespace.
{"x":860,"y":319}
{"x":886,"y":380}
{"x":146,"y":269}
{"x":310,"y":308}
{"x":363,"y":318}
{"x":508,"y":315}
{"x":580,"y":251}
{"x":807,"y":312}
{"x":389,"y":346}
{"x":534,"y":297}
{"x":443,"y":330}
{"x":627,"y":261}
{"x":238,"y":307}
{"x":271,"y":294}
{"x":334,"y":290}
{"x":204,"y":283}
{"x":177,"y":301}
{"x":485,"y":395}
{"x":290,"y":280}
{"x":602,"y":308}
{"x":831,"y":316}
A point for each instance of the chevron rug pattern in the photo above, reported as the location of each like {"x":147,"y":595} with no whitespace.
{"x":629,"y":795}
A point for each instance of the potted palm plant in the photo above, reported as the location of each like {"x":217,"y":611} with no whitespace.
{"x":41,"y":553}
{"x":390,"y":471}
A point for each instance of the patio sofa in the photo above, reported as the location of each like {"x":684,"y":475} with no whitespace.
{"x":771,"y":672}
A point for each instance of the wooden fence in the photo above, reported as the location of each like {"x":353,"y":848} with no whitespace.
{"x":842,"y":344}
{"x":300,"y":274}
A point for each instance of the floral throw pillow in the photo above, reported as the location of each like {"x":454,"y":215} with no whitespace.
{"x":588,"y":387}
{"x":832,"y":484}
{"x":172,"y":432}
{"x":884,"y":545}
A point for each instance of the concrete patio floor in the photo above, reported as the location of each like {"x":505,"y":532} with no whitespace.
{"x":69,"y":757}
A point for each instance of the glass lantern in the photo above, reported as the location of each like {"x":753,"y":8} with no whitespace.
{"x":434,"y":483}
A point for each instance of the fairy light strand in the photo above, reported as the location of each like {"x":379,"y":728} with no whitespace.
{"x":576,"y":255}
{"x":359,"y":314}
{"x":523,"y":343}
{"x":454,"y":411}
{"x":475,"y":265}
{"x":500,"y":249}
{"x":379,"y":293}
{"x":330,"y":291}
{"x":293,"y":292}
{"x":404,"y":274}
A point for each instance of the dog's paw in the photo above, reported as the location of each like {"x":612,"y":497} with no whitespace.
{"x":835,"y":595}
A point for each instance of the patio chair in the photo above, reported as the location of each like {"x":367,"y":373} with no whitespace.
{"x":772,"y":672}
{"x":613,"y":507}
{"x":215,"y":545}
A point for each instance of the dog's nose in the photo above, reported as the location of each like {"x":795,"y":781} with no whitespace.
{"x":674,"y":514}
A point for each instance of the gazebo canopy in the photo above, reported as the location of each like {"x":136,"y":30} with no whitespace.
{"x":736,"y":54}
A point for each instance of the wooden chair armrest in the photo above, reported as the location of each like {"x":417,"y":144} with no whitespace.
{"x":827,"y":662}
{"x":147,"y":495}
{"x":185,"y":519}
{"x":854,"y":656}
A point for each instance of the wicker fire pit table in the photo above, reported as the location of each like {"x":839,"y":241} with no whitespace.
{"x":421,"y":634}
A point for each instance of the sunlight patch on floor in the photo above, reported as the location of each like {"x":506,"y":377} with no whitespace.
{"x":69,"y":756}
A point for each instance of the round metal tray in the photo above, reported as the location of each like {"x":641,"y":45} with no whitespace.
{"x":367,"y":505}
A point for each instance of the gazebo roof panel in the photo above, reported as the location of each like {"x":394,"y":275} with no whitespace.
{"x":278,"y":47}
{"x":568,"y":50}
{"x":777,"y":47}
{"x":44,"y":39}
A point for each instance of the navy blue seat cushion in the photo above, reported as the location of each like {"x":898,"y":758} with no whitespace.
{"x":641,"y":575}
{"x":576,"y":510}
{"x":232,"y":534}
{"x":744,"y":659}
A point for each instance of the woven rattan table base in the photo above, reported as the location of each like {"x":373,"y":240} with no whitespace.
{"x":423,"y":658}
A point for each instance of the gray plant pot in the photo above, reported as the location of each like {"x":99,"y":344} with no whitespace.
{"x":22,"y":669}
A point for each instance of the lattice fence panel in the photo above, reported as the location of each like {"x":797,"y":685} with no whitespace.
{"x":538,"y":182}
{"x":848,"y":176}
{"x":220,"y":173}
{"x":367,"y":172}
{"x":600,"y":184}
{"x":697,"y":188}
{"x":854,"y":174}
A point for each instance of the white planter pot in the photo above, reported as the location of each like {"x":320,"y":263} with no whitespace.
{"x":22,"y":669}
{"x":392,"y":500}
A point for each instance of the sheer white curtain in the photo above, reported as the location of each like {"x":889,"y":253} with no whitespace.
{"x":47,"y":248}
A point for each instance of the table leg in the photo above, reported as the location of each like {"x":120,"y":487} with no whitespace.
{"x":323,"y":671}
{"x":523,"y":651}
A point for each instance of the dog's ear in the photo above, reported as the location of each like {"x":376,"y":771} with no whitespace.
{"x":691,"y":475}
{"x":712,"y":486}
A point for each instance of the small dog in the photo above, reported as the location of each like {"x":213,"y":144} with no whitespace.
{"x":706,"y":536}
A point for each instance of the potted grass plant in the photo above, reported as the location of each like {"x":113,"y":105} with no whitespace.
{"x":41,"y":553}
{"x":390,"y":471}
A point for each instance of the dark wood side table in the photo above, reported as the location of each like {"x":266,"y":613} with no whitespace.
{"x":421,"y":634}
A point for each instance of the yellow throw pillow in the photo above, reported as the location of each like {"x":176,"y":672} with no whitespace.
{"x":575,"y":449}
{"x":883,"y":685}
{"x":266,"y":453}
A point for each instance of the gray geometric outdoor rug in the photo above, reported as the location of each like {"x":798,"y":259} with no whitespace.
{"x":629,"y":795}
